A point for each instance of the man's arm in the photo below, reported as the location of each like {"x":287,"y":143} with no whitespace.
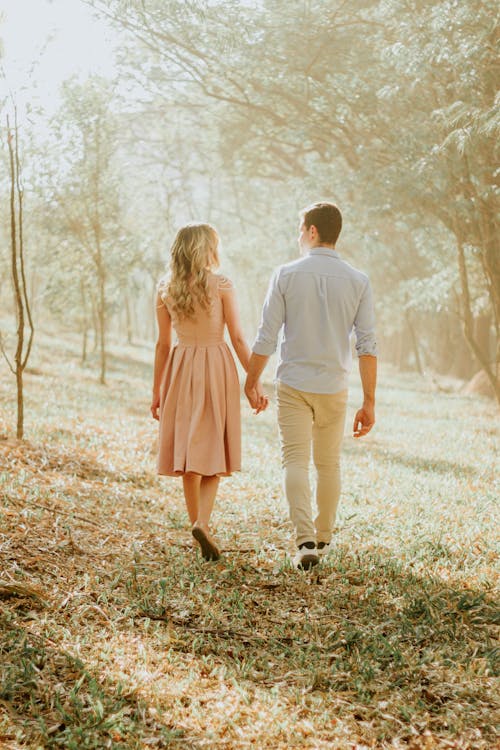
{"x":364,"y":324}
{"x":255,"y":368}
{"x":365,"y":417}
{"x":366,"y":347}
{"x":273,"y":317}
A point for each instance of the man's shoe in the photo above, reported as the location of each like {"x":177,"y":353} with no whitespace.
{"x":209,"y":549}
{"x":306,"y":557}
{"x":323,"y":548}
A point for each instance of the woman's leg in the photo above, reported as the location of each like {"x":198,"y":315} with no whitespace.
{"x":208,"y":491}
{"x":191,"y":485}
{"x":200,"y":531}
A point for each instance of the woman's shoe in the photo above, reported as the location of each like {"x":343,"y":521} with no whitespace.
{"x":209,"y":549}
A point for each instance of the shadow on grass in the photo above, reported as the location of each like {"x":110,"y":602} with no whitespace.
{"x":124,"y":364}
{"x":52,"y":457}
{"x":53,"y":700}
{"x":388,"y":652}
{"x":416,"y":463}
{"x":386,"y":647}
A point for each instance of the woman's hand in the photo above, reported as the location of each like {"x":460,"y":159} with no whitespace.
{"x":263,"y":399}
{"x":263,"y":404}
{"x":155,"y":406}
{"x":257,"y":398}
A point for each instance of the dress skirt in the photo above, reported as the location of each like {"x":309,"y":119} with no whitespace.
{"x":200,"y":428}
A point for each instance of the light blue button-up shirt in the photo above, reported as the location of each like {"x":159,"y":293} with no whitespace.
{"x":318,"y":301}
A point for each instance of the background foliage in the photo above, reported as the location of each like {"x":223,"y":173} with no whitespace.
{"x":242,"y":113}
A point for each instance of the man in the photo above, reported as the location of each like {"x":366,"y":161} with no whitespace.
{"x":317,"y":300}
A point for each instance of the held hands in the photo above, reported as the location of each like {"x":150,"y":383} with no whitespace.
{"x":364,"y":420}
{"x":256,"y":397}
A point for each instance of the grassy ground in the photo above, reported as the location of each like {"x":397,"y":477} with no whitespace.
{"x":113,"y":632}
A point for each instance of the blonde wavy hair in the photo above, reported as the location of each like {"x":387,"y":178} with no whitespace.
{"x":193,"y":253}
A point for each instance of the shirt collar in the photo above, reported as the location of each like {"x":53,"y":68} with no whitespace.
{"x":324,"y":251}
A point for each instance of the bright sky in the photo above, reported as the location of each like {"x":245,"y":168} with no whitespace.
{"x":46,"y":41}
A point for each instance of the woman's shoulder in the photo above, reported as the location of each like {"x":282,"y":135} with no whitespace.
{"x":162,"y":288}
{"x":222,"y":282}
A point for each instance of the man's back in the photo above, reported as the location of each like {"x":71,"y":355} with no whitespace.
{"x":318,"y":299}
{"x":316,"y":302}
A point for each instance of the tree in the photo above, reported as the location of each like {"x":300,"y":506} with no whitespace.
{"x":21,"y":300}
{"x":398,"y":98}
{"x":85,"y":192}
{"x":440,"y":83}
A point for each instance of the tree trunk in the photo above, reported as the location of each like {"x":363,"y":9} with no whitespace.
{"x":102,"y":326}
{"x":95,"y":325}
{"x":414,"y":343}
{"x":403,"y":351}
{"x":84,"y":345}
{"x":128,"y":317}
{"x":85,"y":326}
{"x":18,"y":275}
{"x":17,"y":287}
{"x":20,"y":403}
{"x":468,"y":323}
{"x":482,"y":328}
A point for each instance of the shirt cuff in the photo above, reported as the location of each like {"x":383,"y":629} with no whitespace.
{"x":370,"y":349}
{"x":264,"y":348}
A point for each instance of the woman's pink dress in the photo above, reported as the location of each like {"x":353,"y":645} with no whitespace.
{"x":200,"y":428}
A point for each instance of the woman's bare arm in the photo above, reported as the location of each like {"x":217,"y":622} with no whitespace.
{"x":232,"y":318}
{"x":162,"y":350}
{"x":243,"y":352}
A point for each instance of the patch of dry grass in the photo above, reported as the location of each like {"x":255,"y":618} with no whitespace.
{"x":113,"y":632}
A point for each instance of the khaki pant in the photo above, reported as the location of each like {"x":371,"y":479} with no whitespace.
{"x":305,"y":419}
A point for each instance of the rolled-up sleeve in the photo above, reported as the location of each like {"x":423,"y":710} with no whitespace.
{"x":273,"y":317}
{"x":364,"y":324}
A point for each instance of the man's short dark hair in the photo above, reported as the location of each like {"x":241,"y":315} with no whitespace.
{"x":327,"y":219}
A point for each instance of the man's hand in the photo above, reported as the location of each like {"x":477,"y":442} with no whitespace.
{"x":364,"y":420}
{"x":155,"y":406}
{"x":256,"y":398}
{"x":253,"y":388}
{"x":365,"y":417}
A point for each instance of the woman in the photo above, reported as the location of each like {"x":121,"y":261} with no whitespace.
{"x":196,"y":392}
